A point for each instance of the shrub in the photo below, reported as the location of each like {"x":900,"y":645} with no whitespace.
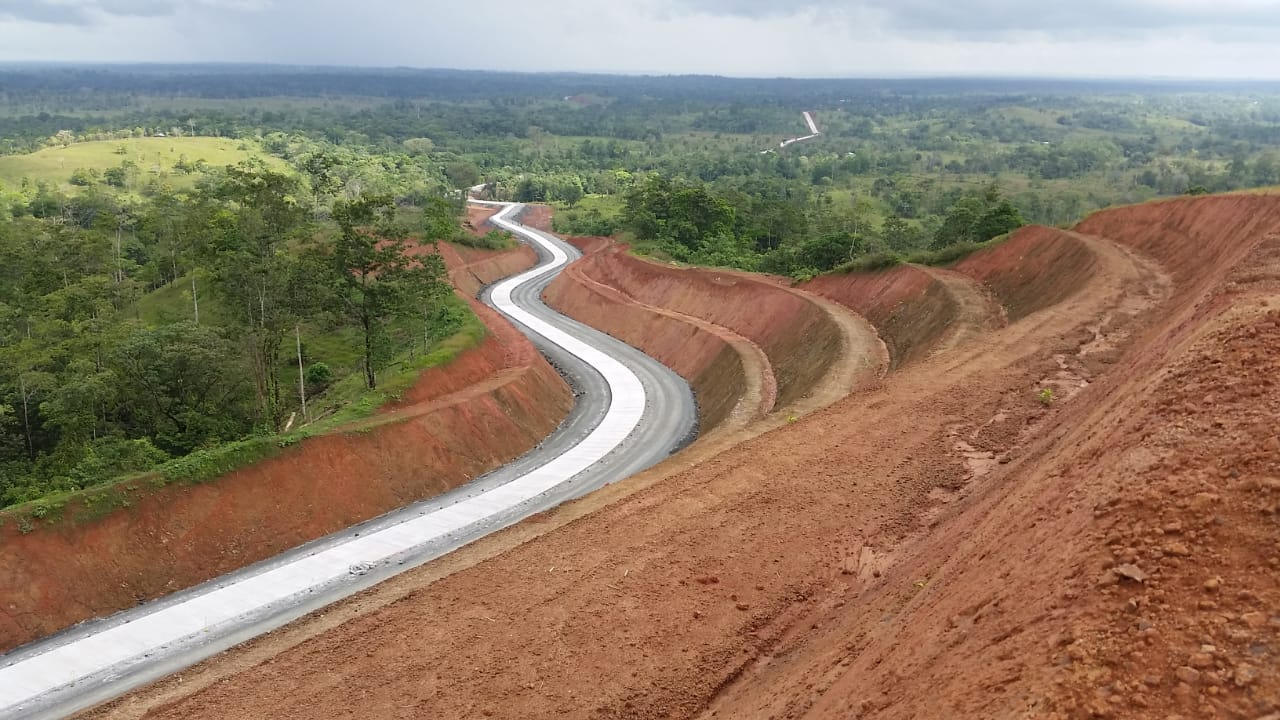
{"x":492,"y":240}
{"x":318,"y":375}
{"x":869,"y":263}
{"x":108,"y":458}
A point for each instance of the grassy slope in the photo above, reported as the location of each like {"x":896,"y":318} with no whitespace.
{"x":155,"y":157}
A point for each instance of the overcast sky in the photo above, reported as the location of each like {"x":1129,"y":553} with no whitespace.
{"x":806,"y":38}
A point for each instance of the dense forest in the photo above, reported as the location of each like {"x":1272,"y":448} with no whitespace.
{"x":142,"y":328}
{"x":190,"y":252}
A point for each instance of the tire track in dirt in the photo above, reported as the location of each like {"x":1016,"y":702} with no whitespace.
{"x":978,"y":312}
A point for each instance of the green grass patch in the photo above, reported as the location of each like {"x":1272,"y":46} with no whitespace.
{"x":173,"y":303}
{"x":948,"y":255}
{"x":869,"y":263}
{"x":154,"y":158}
{"x":591,"y":216}
{"x":348,"y":401}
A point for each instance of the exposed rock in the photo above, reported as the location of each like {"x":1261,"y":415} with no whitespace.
{"x":1245,"y":675}
{"x":1200,"y":660}
{"x":1255,"y":620}
{"x":1187,"y":675}
{"x":1129,"y":571}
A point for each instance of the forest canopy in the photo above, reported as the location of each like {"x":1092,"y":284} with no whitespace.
{"x":187,"y":252}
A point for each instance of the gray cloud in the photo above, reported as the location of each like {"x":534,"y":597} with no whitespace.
{"x":813,"y":38}
{"x":999,"y":18}
{"x":43,"y":11}
{"x":89,"y":12}
{"x":136,"y":8}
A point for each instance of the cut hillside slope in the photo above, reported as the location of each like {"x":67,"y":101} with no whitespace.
{"x":1125,"y":565}
{"x":906,"y":552}
{"x":916,"y":310}
{"x":1036,"y":268}
{"x":731,"y":377}
{"x":798,"y":335}
{"x":483,"y":409}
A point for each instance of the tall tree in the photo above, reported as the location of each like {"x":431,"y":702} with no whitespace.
{"x":252,"y":266}
{"x":187,"y":382}
{"x":377,"y":280}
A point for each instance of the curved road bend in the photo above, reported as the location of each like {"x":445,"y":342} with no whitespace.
{"x":630,"y":413}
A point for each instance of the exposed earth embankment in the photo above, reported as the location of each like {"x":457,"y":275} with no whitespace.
{"x":747,"y":346}
{"x":484,"y":408}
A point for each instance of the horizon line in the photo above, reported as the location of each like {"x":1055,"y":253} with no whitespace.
{"x":7,"y":63}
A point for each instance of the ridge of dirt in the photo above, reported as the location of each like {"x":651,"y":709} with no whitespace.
{"x":797,"y":333}
{"x":760,"y":393}
{"x":1035,"y":268}
{"x":977,"y":310}
{"x":909,"y":309}
{"x":843,"y":353}
{"x":863,"y":359}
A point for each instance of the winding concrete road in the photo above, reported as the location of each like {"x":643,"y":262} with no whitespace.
{"x":631,"y":413}
{"x":813,"y":133}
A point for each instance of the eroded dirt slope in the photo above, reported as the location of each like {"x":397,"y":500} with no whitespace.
{"x":946,"y":544}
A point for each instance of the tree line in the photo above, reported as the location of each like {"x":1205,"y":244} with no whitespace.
{"x":694,"y":222}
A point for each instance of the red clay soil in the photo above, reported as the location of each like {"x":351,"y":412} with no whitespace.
{"x":908,"y":307}
{"x":798,"y":335}
{"x":472,"y":269}
{"x":722,"y":355}
{"x":943,"y":545}
{"x":477,"y":222}
{"x":702,"y":353}
{"x":482,"y":410}
{"x":1014,"y":270}
{"x":1126,"y":566}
